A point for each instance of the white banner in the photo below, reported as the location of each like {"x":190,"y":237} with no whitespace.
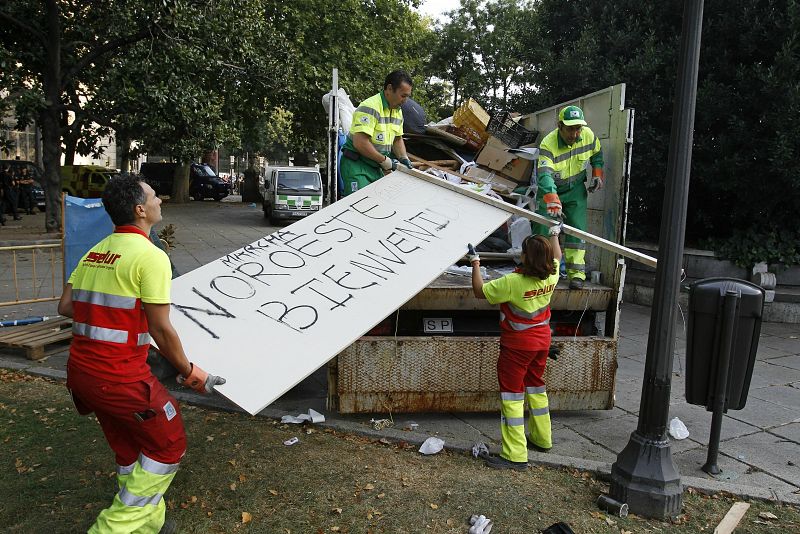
{"x":271,"y":313}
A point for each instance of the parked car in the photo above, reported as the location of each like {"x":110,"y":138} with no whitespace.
{"x":203,"y":181}
{"x":34,"y":171}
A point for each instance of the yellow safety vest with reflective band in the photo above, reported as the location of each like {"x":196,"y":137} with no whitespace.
{"x":524,"y":306}
{"x":109,"y":286}
{"x":381,"y":123}
{"x":561,"y":166}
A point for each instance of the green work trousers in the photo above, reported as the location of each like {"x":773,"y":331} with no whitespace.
{"x":573,"y":204}
{"x":358,"y":174}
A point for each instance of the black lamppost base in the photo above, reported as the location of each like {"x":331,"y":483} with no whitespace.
{"x":645,"y":477}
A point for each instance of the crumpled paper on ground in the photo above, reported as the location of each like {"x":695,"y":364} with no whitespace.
{"x":312,"y":416}
{"x":432,"y":446}
{"x":480,"y":450}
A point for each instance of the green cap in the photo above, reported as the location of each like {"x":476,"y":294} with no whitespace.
{"x":571,"y":115}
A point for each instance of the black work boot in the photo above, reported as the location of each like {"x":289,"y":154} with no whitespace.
{"x":498,"y":462}
{"x":575,"y":283}
{"x":534,"y":447}
{"x":169,"y":527}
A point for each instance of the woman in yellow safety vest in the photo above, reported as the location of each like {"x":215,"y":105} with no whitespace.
{"x":524,"y":299}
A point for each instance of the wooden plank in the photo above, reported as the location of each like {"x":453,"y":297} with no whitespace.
{"x":36,"y":350}
{"x":55,"y":338}
{"x":450,"y":171}
{"x":36,"y":337}
{"x":581,"y":234}
{"x":20,"y":332}
{"x":22,"y":337}
{"x":732,"y":518}
{"x":13,"y":330}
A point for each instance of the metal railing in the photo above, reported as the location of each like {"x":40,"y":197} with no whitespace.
{"x":16,"y":276}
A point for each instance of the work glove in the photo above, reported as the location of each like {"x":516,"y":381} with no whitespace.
{"x":406,"y":162}
{"x":553,"y":205}
{"x":472,"y":254}
{"x":596,"y":183}
{"x":556,"y":228}
{"x":200,"y":381}
{"x":389,"y":164}
{"x":553,"y":353}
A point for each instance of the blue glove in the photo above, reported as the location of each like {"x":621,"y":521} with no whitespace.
{"x":472,"y":254}
{"x":406,"y":162}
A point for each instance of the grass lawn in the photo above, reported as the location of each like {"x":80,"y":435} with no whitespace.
{"x":237,"y":476}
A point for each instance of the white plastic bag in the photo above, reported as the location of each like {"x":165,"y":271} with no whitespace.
{"x":346,"y":108}
{"x":677,"y":429}
{"x":518,"y":231}
{"x":432,"y":446}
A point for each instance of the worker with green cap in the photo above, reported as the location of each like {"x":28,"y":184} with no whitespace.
{"x":564,"y":156}
{"x":375,"y":142}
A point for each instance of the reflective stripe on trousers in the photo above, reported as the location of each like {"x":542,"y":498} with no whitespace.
{"x":539,"y":416}
{"x":139,"y":504}
{"x":512,"y":426}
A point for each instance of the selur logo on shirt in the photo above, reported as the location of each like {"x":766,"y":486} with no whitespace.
{"x":533,"y":293}
{"x":102,"y":257}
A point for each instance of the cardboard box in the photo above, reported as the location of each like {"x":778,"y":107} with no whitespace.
{"x":500,"y":182}
{"x":495,"y":156}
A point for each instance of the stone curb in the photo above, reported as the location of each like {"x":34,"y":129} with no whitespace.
{"x":600,"y":469}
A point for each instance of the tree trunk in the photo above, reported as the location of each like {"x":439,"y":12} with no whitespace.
{"x":124,"y":148}
{"x":180,"y":184}
{"x":49,"y":119}
{"x":51,"y":156}
{"x":211,"y":158}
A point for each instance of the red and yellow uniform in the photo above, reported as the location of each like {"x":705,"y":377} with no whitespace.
{"x":107,"y":374}
{"x":524,"y":343}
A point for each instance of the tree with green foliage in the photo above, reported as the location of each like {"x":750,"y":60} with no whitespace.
{"x":456,"y":52}
{"x":743,"y":179}
{"x":45,"y":50}
{"x":364,"y":40}
{"x":149,"y":70}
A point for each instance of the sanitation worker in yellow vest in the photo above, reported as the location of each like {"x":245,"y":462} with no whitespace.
{"x":564,"y":156}
{"x":375,"y":142}
{"x":524,"y":299}
{"x":119,"y":299}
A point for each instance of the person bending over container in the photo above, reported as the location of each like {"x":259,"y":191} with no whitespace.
{"x":524,"y":299}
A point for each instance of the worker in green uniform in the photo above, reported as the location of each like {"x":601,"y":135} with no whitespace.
{"x":375,"y":142}
{"x":564,"y":155}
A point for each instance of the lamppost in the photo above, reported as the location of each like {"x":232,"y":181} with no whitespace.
{"x":644,"y":475}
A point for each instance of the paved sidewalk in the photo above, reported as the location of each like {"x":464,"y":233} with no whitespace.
{"x":760,"y":449}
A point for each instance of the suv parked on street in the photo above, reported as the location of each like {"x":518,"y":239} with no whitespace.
{"x":203,"y":181}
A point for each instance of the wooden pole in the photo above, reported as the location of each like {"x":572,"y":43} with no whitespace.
{"x":580,"y":234}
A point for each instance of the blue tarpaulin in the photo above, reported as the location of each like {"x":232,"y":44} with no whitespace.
{"x":85,"y":224}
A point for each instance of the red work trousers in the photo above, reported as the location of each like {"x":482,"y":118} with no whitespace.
{"x":157,"y":432}
{"x":518,"y":369}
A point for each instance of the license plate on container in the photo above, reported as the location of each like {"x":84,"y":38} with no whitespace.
{"x":437,"y":325}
